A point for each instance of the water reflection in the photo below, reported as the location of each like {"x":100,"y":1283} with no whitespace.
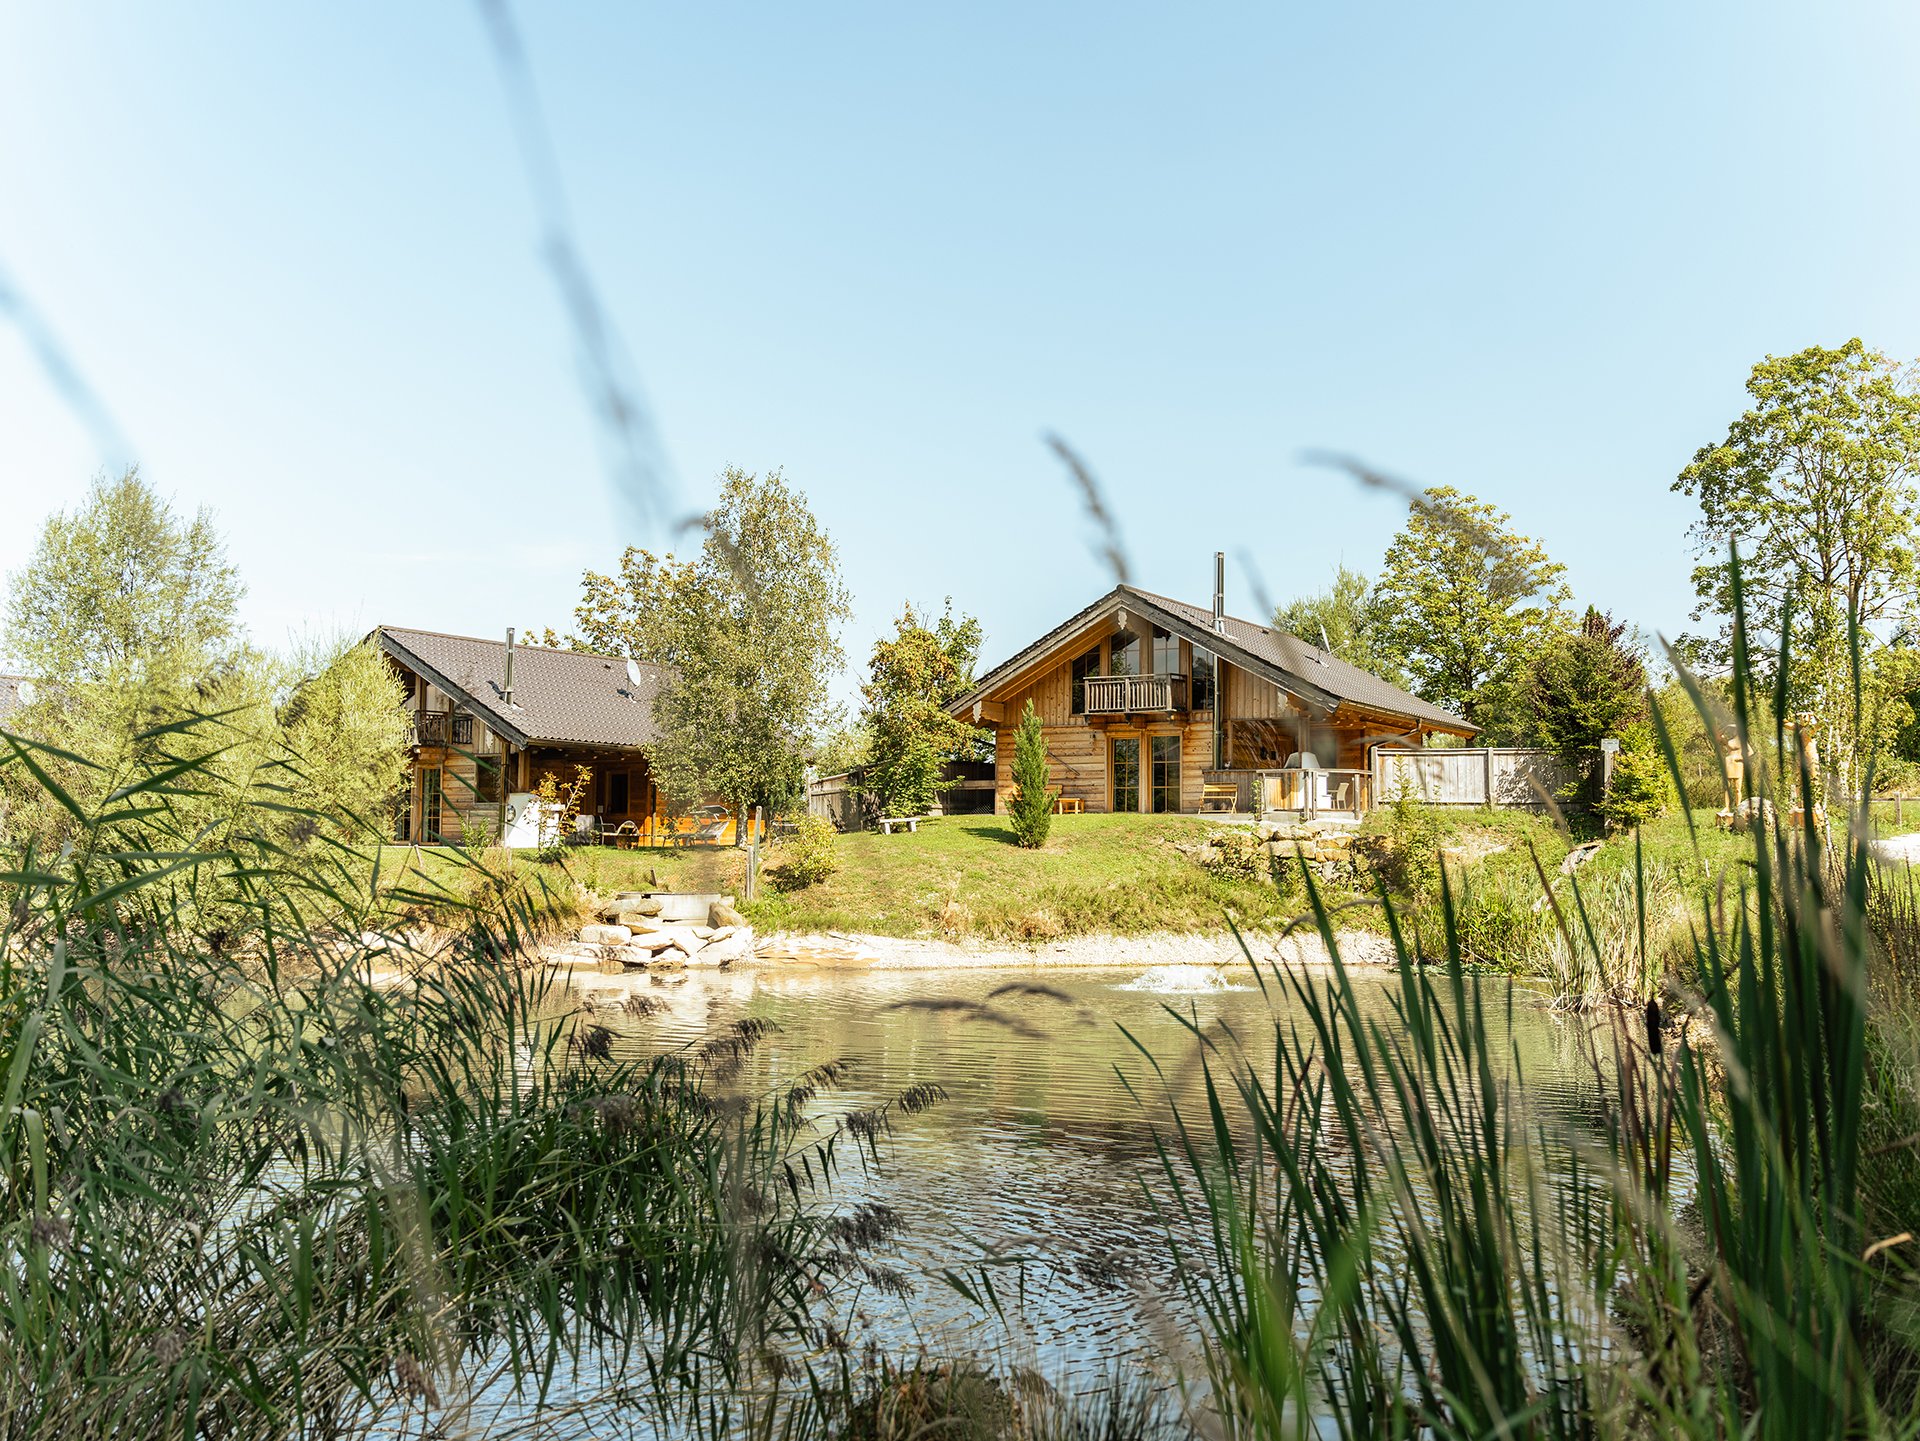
{"x":1041,"y":1163}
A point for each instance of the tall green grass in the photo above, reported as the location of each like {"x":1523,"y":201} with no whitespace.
{"x":1401,"y":1246}
{"x":265,"y":1174}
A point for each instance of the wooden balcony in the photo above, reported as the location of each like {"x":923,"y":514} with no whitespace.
{"x":441,"y":728}
{"x":1134,"y":694}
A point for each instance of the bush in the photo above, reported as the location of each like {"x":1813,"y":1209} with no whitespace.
{"x":1404,"y":853}
{"x":1642,"y":788}
{"x":808,"y":857}
{"x":1031,"y":809}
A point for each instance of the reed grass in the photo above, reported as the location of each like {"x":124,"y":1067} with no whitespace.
{"x":1400,"y":1246}
{"x":264,"y":1173}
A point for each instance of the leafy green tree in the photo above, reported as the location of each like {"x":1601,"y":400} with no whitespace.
{"x":1462,"y":603}
{"x":343,"y":731}
{"x":843,"y":749}
{"x":1342,"y":614}
{"x":912,"y":678}
{"x":1031,"y":809}
{"x":1584,"y":685}
{"x":750,"y":628}
{"x":126,"y":615}
{"x":123,"y":592}
{"x":1816,"y":485}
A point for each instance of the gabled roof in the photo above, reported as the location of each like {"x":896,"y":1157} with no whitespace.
{"x":560,"y":697}
{"x":1292,"y":664}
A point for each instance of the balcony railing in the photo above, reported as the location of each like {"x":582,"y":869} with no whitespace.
{"x":1130,"y":694}
{"x":440,"y":728}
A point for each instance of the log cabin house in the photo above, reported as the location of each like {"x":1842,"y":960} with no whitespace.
{"x":1150,"y":704}
{"x":490,"y":718}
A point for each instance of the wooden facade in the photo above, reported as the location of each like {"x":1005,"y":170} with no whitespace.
{"x":1141,"y":710}
{"x":469,"y":778}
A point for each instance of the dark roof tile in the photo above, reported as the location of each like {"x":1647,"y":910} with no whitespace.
{"x":560,"y":697}
{"x":1286,"y":659}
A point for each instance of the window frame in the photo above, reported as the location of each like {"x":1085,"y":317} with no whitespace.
{"x":1077,"y":683}
{"x":1159,"y":788}
{"x":1115,"y":789}
{"x":432,"y":785}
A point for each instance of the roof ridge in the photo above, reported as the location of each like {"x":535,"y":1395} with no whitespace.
{"x":518,"y":645}
{"x":1208,"y":610}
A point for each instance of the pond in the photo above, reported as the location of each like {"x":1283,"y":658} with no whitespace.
{"x":1041,"y":1151}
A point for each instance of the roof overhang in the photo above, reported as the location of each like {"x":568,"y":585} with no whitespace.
{"x":1094,"y":622}
{"x":496,"y":722}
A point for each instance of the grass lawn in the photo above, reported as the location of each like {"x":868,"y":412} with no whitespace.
{"x":962,"y":877}
{"x":959,"y":877}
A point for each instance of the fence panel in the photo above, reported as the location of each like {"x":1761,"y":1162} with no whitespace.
{"x":1477,"y":776}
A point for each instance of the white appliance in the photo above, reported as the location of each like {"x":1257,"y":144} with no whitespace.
{"x":523,"y":821}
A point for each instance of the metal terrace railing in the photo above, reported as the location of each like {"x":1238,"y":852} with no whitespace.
{"x":1127,"y":694}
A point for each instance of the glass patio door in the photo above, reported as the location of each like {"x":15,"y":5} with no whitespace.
{"x":1126,"y":773}
{"x":430,"y":805}
{"x":1166,"y":773}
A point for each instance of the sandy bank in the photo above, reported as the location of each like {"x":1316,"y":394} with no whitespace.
{"x":1357,"y":948}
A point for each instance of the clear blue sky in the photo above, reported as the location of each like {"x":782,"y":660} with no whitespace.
{"x":1528,"y":250}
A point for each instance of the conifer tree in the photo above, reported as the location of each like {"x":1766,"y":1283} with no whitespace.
{"x":1031,"y":809}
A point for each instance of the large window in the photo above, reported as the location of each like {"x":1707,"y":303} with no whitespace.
{"x":1166,"y":653}
{"x":489,"y":778}
{"x":1083,"y":666}
{"x":1201,"y":686}
{"x":1166,"y":773}
{"x":1126,"y":655}
{"x":1126,"y":773}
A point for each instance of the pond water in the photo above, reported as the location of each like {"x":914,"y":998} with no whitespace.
{"x":1040,"y":1151}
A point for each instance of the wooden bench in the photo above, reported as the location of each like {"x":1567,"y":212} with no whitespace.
{"x":1223,"y":796}
{"x":887,"y":823}
{"x":1068,"y":805}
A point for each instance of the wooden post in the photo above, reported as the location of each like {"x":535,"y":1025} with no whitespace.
{"x":753,"y":855}
{"x":1487,"y":799}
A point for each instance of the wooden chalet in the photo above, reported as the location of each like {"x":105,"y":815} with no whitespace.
{"x":490,"y":718}
{"x":1150,"y":704}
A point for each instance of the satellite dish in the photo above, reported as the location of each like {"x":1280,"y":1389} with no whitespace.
{"x":25,"y":690}
{"x":634,"y":678}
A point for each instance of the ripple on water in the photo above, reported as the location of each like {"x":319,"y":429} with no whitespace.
{"x":1038,"y":1167}
{"x":1182,"y":980}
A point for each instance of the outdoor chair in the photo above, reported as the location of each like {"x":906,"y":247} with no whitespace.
{"x":624,"y":836}
{"x":710,"y":824}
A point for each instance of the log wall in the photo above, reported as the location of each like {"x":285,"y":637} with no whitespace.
{"x":1079,"y":755}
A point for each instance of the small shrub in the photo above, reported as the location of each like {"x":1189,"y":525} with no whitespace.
{"x":1405,"y":852}
{"x":808,"y":857}
{"x":1037,"y":925}
{"x":558,"y":809}
{"x":1234,"y":854}
{"x":1031,"y":809}
{"x":1641,"y":788}
{"x":476,"y":834}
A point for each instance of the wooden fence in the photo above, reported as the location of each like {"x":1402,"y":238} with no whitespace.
{"x":841,"y":799}
{"x":1508,"y":776}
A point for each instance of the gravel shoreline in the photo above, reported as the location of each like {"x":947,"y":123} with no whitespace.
{"x":783,"y":949}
